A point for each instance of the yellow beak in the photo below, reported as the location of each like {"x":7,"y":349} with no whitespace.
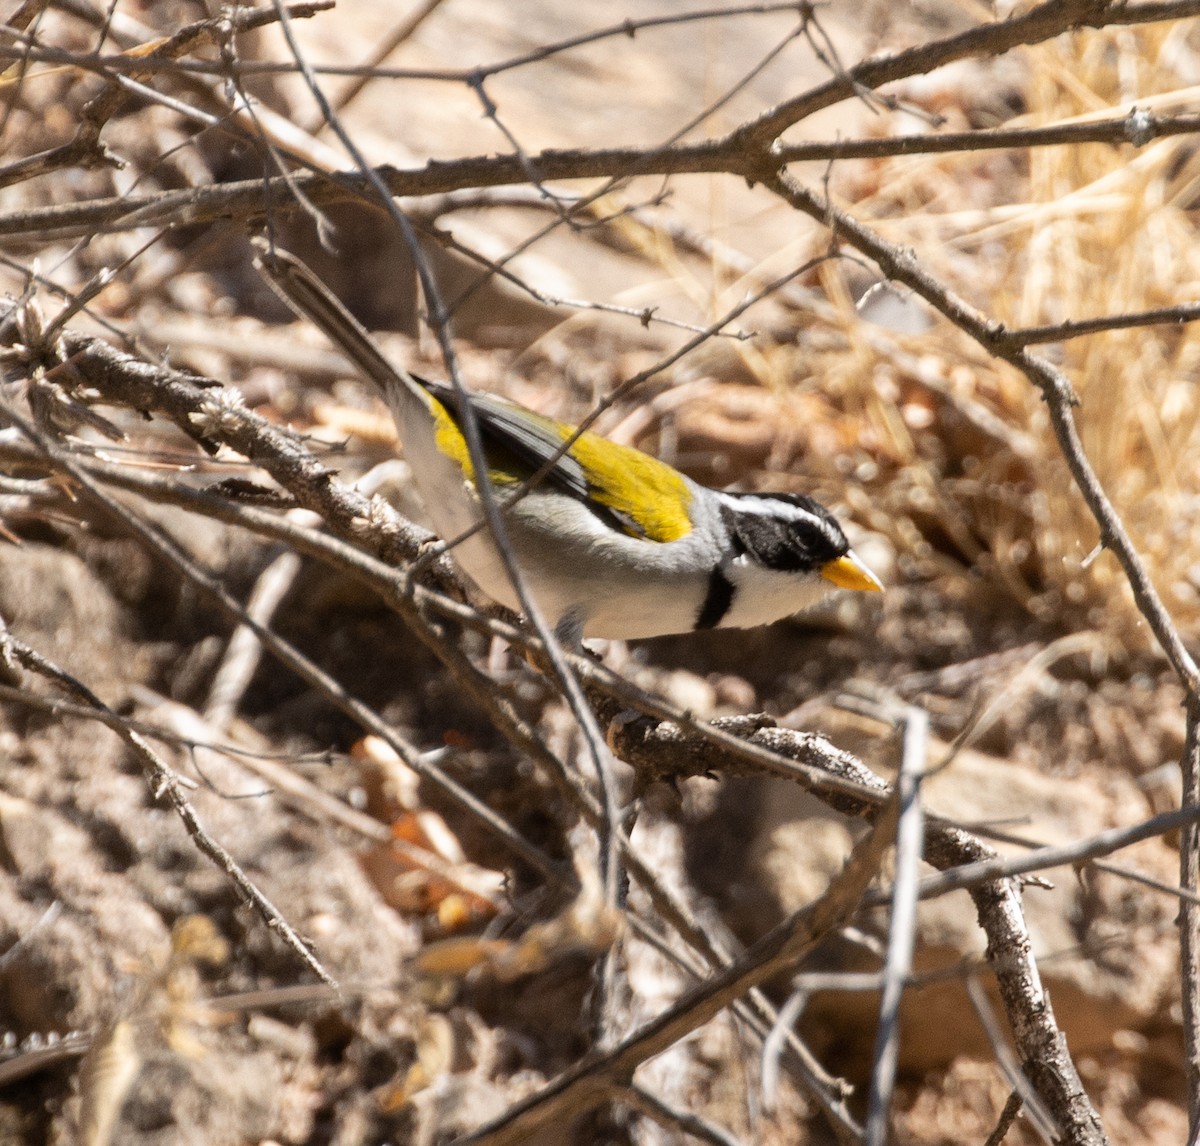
{"x":849,"y":572}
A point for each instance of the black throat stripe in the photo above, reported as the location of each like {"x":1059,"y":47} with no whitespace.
{"x":717,"y":600}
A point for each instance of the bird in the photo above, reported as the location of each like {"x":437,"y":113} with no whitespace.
{"x":610,"y":542}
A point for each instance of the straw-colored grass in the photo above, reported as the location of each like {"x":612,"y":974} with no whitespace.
{"x":969,"y":474}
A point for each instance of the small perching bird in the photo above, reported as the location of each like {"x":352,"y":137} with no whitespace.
{"x":609,"y":541}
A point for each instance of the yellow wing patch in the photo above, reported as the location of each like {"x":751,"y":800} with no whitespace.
{"x":648,"y":493}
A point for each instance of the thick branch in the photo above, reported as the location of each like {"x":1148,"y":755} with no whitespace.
{"x":1040,"y":1043}
{"x":1033,"y":27}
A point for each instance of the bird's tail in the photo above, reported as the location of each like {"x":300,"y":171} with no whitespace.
{"x":310,"y":298}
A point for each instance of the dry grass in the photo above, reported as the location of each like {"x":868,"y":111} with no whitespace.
{"x":1082,"y":231}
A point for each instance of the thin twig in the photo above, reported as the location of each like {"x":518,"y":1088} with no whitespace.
{"x":1189,"y":916}
{"x":1042,"y":1119}
{"x":1007,"y":1117}
{"x":902,"y":930}
{"x":369,"y":71}
{"x":1134,"y":127}
{"x":990,"y":39}
{"x":673,"y":1119}
{"x":244,"y":651}
{"x":47,"y":1053}
{"x":773,"y":1045}
{"x":1077,"y":328}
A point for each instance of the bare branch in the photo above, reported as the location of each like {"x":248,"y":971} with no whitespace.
{"x":1189,"y":915}
{"x":654,"y":1108}
{"x":244,"y":651}
{"x":1007,"y":1117}
{"x":1076,"y":328}
{"x":1040,"y":23}
{"x":1136,"y":127}
{"x":1041,"y":1044}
